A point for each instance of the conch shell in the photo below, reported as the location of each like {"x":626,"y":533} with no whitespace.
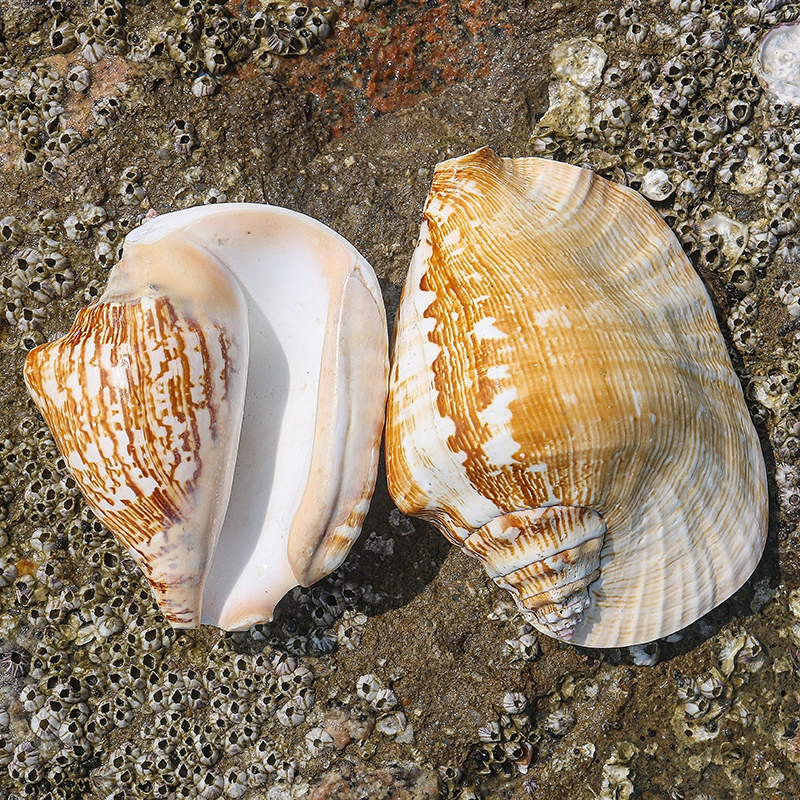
{"x":562,"y":405}
{"x":228,"y":387}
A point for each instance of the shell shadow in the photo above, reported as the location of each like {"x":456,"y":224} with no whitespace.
{"x":416,"y":559}
{"x":418,"y":556}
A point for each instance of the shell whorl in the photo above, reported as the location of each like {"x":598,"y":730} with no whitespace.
{"x":144,"y":397}
{"x":554,"y":347}
{"x":547,"y":558}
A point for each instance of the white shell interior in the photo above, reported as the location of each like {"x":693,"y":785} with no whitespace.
{"x":280,"y":259}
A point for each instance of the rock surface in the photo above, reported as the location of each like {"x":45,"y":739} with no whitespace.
{"x":349,"y":133}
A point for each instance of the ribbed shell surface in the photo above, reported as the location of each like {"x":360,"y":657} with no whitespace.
{"x":144,"y":397}
{"x":555,"y":347}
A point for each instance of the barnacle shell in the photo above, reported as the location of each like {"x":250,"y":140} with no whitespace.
{"x":777,"y":62}
{"x":562,"y":405}
{"x":233,"y":334}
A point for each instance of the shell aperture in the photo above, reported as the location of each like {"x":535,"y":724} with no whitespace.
{"x":563,"y":407}
{"x":290,"y":375}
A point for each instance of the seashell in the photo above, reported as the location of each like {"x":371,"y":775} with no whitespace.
{"x":777,"y":62}
{"x":734,"y":235}
{"x":562,"y":405}
{"x":229,"y":387}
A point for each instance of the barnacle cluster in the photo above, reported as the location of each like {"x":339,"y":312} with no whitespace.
{"x":206,"y":38}
{"x":617,"y":771}
{"x":706,"y":698}
{"x":31,"y":110}
{"x":506,"y":748}
{"x":40,"y":272}
{"x":524,"y":646}
{"x":718,"y":710}
{"x":203,"y":42}
{"x":380,"y":702}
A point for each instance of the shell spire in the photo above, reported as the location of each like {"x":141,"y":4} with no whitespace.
{"x":563,"y":407}
{"x":552,"y":589}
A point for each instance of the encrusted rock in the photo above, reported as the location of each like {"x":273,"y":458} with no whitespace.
{"x":355,"y":780}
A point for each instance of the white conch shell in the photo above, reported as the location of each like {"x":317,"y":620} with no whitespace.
{"x":562,"y":405}
{"x":153,"y":396}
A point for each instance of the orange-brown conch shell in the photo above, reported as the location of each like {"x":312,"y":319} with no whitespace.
{"x":563,"y":407}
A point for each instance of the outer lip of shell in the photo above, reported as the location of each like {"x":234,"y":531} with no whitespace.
{"x":313,"y":413}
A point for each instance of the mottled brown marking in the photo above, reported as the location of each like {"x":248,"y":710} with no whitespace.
{"x":129,"y":331}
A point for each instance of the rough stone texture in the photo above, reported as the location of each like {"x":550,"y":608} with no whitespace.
{"x":353,"y":781}
{"x":349,"y":134}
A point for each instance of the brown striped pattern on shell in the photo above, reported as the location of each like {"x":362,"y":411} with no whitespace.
{"x":141,"y":397}
{"x":554,"y":347}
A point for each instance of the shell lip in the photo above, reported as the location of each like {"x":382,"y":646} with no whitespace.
{"x":156,"y":227}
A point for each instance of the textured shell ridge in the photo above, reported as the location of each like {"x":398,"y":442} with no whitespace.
{"x":547,"y":558}
{"x":572,"y":358}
